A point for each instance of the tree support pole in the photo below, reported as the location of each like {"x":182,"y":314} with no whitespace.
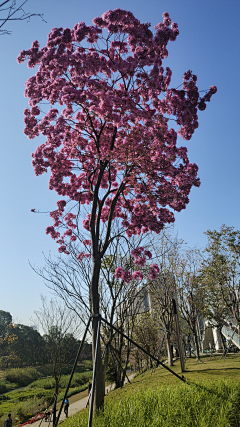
{"x":73,"y":370}
{"x":94,"y":370}
{"x":54,"y":409}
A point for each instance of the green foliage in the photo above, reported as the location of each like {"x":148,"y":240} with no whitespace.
{"x":49,"y":383}
{"x":29,"y":345}
{"x":5,"y":320}
{"x":221,"y":272}
{"x":78,"y":379}
{"x":6,"y":386}
{"x":22,"y":376}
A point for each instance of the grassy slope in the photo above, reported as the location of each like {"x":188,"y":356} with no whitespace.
{"x":161,"y":399}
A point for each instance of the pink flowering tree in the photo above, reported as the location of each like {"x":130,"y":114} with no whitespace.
{"x":108,"y":144}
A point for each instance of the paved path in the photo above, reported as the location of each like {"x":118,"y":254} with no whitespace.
{"x":74,"y":407}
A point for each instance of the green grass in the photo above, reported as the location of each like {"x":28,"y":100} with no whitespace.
{"x":181,"y":405}
{"x":211,"y":398}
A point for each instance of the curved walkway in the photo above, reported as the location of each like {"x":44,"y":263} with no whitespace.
{"x":75,"y":407}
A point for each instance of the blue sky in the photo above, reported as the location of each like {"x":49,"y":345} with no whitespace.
{"x":208,"y":44}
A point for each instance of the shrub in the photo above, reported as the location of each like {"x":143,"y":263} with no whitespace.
{"x":22,"y":376}
{"x":5,"y":386}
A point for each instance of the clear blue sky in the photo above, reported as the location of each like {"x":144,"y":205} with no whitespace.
{"x":208,"y":44}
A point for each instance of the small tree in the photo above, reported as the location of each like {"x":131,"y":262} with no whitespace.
{"x":108,"y":144}
{"x":60,"y":327}
{"x":118,"y":299}
{"x":147,"y":335}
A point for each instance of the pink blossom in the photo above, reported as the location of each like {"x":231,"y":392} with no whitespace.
{"x":148,"y":254}
{"x":127,"y":277}
{"x":80,"y":256}
{"x":67,"y":233}
{"x":86,"y":242}
{"x":137,"y":275}
{"x":119,"y":273}
{"x":137,"y":252}
{"x":153,"y":272}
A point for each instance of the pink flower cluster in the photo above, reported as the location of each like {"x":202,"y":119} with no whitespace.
{"x":126,"y":276}
{"x":140,"y":255}
{"x":83,"y":255}
{"x":110,"y":138}
{"x":153,"y":272}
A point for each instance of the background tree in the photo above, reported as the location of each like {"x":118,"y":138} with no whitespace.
{"x":29,"y":348}
{"x":222,"y":268}
{"x":61,"y":328}
{"x":213,"y":281}
{"x":147,"y":334}
{"x":5,"y":320}
{"x":108,"y":146}
{"x":161,"y":290}
{"x":7,"y":337}
{"x":190,"y":292}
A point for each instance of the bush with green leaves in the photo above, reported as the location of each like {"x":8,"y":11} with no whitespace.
{"x":22,"y":376}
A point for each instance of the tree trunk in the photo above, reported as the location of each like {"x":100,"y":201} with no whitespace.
{"x":196,"y":344}
{"x":105,"y":366}
{"x":94,"y":304}
{"x":169,"y":350}
{"x":222,"y":338}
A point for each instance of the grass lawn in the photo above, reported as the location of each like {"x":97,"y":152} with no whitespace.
{"x":211,"y":397}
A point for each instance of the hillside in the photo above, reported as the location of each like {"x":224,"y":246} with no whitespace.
{"x":210,"y":397}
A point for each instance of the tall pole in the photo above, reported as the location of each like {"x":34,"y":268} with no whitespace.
{"x":180,"y":349}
